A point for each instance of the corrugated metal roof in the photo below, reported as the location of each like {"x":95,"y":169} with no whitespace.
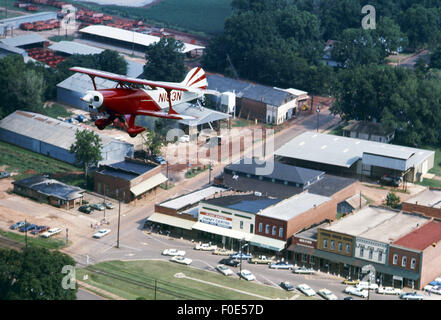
{"x":171,"y":221}
{"x":46,"y":129}
{"x":202,"y":115}
{"x":243,"y":89}
{"x":129,"y":36}
{"x":23,"y":40}
{"x":30,"y":17}
{"x":246,"y":203}
{"x":292,"y":207}
{"x":281,"y":171}
{"x":80,"y":82}
{"x":71,"y":47}
{"x":191,"y":198}
{"x":51,"y":187}
{"x":344,"y":151}
{"x":222,"y":231}
{"x":11,"y":49}
{"x":148,"y":184}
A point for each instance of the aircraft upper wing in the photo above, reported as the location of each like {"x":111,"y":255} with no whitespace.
{"x":120,"y":78}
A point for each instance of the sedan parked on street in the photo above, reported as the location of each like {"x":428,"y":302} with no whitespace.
{"x":412,"y":296}
{"x":247,"y":275}
{"x":40,"y":229}
{"x":241,"y":255}
{"x":327,"y":294}
{"x":51,"y":232}
{"x":287,"y":286}
{"x":28,"y":227}
{"x":356,"y":291}
{"x":389,"y":290}
{"x":303,"y":270}
{"x":181,"y":260}
{"x":101,"y":233}
{"x":85,"y":209}
{"x":98,"y":206}
{"x":230,"y":262}
{"x":224,"y":270}
{"x":173,"y":252}
{"x":205,"y":247}
{"x":281,"y":265}
{"x":305,"y":289}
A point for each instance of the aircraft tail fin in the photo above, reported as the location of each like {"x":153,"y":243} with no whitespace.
{"x":195,"y":78}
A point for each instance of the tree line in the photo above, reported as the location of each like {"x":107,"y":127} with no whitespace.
{"x":280,"y":43}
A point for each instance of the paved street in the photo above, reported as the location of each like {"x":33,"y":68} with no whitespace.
{"x":137,"y":244}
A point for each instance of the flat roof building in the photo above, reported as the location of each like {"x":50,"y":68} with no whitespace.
{"x":355,"y":157}
{"x":427,"y":202}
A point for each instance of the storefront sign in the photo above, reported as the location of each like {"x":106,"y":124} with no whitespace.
{"x":216,"y":220}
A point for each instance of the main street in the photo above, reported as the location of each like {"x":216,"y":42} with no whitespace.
{"x":136,"y":244}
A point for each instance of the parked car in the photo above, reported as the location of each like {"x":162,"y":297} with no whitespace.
{"x":173,"y":252}
{"x":391,"y":180}
{"x":261,"y":260}
{"x":305,"y":289}
{"x":327,"y":294}
{"x":97,"y":206}
{"x":230,"y":262}
{"x":85,"y":209}
{"x":247,"y":275}
{"x":348,"y":298}
{"x":223,"y":252}
{"x":17,"y":225}
{"x":281,"y":265}
{"x":350,"y":281}
{"x":436,"y":289}
{"x":388,"y":290}
{"x":40,"y":229}
{"x":366,"y":285}
{"x":181,"y":260}
{"x":81,"y":118}
{"x":412,"y":296}
{"x":101,"y":233}
{"x":287,"y":286}
{"x":109,"y":205}
{"x":159,"y":160}
{"x":4,"y":174}
{"x":224,"y":270}
{"x":28,"y":227}
{"x":184,"y":138}
{"x":205,"y":247}
{"x":238,"y":255}
{"x":51,"y":232}
{"x":356,"y":291}
{"x":303,"y":270}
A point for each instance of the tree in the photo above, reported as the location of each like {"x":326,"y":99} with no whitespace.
{"x":34,"y":274}
{"x":87,"y":149}
{"x":153,"y":143}
{"x":435,"y":58}
{"x":27,"y":90}
{"x":392,"y":200}
{"x":165,"y":61}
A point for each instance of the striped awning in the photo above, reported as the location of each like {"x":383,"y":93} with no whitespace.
{"x":267,"y":243}
{"x":148,"y":184}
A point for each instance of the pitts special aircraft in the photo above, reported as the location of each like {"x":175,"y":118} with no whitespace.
{"x":138,"y":97}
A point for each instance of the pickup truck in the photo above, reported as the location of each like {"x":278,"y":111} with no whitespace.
{"x":261,"y":260}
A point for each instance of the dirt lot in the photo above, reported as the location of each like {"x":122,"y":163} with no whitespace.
{"x":378,"y":193}
{"x":14,"y":208}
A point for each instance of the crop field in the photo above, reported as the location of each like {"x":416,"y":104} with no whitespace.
{"x":205,"y":17}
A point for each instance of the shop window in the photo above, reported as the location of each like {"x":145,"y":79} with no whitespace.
{"x":304,"y":257}
{"x":380,"y":255}
{"x":311,"y":260}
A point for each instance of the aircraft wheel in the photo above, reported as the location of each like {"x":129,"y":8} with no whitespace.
{"x":100,"y":127}
{"x":133,"y":135}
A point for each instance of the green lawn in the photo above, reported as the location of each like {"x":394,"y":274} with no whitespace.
{"x":57,"y":110}
{"x":437,"y":164}
{"x":136,"y":279}
{"x":35,"y":241}
{"x":27,"y":163}
{"x":431,"y":183}
{"x":61,"y":38}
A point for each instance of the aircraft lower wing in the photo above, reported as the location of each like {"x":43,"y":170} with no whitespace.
{"x":165,"y":115}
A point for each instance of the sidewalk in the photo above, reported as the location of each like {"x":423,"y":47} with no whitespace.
{"x":101,"y":292}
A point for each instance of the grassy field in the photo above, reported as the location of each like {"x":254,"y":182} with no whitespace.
{"x":57,"y":110}
{"x":437,"y":164}
{"x":431,"y":183}
{"x":34,"y":241}
{"x":136,"y":279}
{"x":198,"y":16}
{"x":27,"y":163}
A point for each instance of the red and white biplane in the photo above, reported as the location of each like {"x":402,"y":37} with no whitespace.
{"x":138,"y":97}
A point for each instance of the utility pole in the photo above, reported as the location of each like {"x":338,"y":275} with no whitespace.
{"x":166,"y":183}
{"x":26,"y":233}
{"x":104,"y":203}
{"x":119,"y":215}
{"x":318,"y":113}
